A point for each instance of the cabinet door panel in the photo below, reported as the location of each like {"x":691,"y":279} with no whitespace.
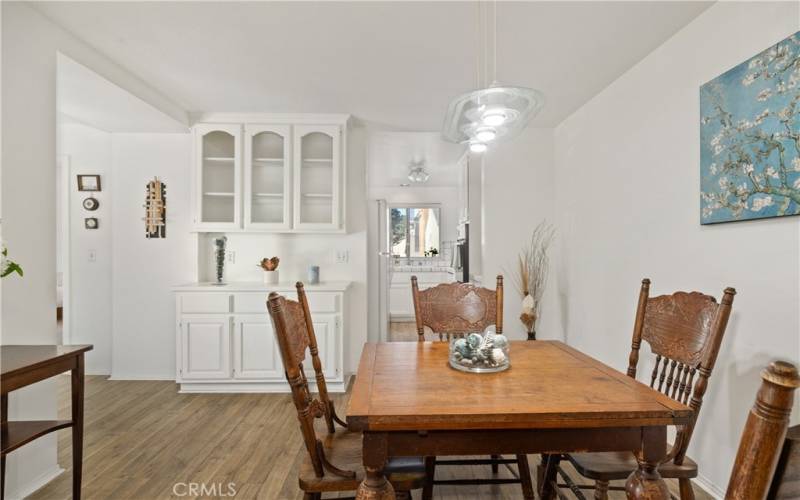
{"x":206,"y":347}
{"x":218,"y":164}
{"x":317,"y":177}
{"x":255,"y":354}
{"x":267,"y":177}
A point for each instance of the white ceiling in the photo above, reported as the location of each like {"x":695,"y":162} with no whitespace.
{"x":86,"y":97}
{"x":392,"y":63}
{"x":390,"y":154}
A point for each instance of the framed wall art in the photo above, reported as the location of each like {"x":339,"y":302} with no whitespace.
{"x":750,"y":138}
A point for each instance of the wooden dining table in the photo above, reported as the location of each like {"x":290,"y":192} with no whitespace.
{"x":553,"y":399}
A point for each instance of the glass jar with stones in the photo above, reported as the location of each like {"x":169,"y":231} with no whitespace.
{"x":485,"y":352}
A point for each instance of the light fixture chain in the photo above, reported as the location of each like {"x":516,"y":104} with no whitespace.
{"x":494,"y":44}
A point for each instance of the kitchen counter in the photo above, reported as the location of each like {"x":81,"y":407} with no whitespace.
{"x":256,"y":286}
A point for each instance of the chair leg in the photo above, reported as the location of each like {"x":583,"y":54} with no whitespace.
{"x":525,"y":477}
{"x":430,"y":471}
{"x":495,"y":465}
{"x":601,"y":490}
{"x":685,"y":486}
{"x":402,"y":495}
{"x":312,"y":496}
{"x":547,"y":476}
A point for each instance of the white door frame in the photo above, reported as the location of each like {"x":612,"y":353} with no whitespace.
{"x":66,"y":241}
{"x":384,"y":268}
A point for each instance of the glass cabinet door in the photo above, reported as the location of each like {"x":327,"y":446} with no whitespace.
{"x":218,"y":175}
{"x":316,"y":177}
{"x":267,"y":183}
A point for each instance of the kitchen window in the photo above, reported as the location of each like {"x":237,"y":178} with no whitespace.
{"x":415,"y":231}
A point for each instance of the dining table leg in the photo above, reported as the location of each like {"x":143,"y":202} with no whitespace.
{"x":375,"y":486}
{"x":645,"y":483}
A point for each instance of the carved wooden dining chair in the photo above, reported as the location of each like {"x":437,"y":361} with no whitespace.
{"x":334,"y":462}
{"x":684,"y":331}
{"x":757,"y":472}
{"x":452,"y":310}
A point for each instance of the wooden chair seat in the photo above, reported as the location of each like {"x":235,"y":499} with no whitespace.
{"x":344,"y":449}
{"x":611,"y":466}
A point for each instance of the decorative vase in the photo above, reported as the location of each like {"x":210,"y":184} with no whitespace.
{"x":532,"y":334}
{"x":271,"y":277}
{"x":219,"y":259}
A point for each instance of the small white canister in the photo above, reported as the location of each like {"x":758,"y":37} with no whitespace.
{"x":313,"y":275}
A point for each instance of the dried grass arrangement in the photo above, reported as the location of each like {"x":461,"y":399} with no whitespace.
{"x":531,"y":276}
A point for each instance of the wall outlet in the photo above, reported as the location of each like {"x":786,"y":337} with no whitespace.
{"x":342,"y":256}
{"x":231,"y":256}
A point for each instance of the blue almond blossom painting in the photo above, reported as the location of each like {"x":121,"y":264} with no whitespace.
{"x":750,"y":138}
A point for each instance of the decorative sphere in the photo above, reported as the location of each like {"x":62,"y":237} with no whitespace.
{"x":500,"y":341}
{"x":461,"y":347}
{"x":474,"y":340}
{"x":498,"y":356}
{"x":490,"y":329}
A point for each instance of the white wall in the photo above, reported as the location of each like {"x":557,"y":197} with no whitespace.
{"x":29,"y":46}
{"x":517,"y":196}
{"x":144,"y":270}
{"x":627,"y":177}
{"x":89,"y":310}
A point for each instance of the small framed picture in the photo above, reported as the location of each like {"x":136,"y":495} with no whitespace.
{"x":88,"y":183}
{"x":90,"y":223}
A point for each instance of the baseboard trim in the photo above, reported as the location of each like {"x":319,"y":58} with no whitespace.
{"x":35,"y":484}
{"x":709,"y":487}
{"x":189,"y":387}
{"x":123,"y":376}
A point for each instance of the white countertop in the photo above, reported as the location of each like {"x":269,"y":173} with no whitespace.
{"x":256,"y":286}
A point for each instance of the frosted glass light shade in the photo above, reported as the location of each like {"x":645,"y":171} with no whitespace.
{"x":477,"y":147}
{"x":466,"y":113}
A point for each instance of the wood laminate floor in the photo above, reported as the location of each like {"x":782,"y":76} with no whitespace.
{"x":142,"y":439}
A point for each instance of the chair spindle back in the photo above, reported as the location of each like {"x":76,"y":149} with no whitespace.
{"x":455,"y":309}
{"x":684,"y":331}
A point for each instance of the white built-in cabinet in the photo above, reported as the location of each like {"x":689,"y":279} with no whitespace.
{"x":257,"y":175}
{"x":225,"y":340}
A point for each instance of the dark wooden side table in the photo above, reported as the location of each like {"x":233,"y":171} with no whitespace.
{"x":23,"y":365}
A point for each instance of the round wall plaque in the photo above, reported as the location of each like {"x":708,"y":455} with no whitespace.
{"x":91,"y":204}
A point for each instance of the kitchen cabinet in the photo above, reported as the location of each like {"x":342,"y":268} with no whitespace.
{"x":270,"y":173}
{"x":225,"y":340}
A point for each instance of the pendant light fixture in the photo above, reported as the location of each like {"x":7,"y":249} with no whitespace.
{"x":417,"y":173}
{"x":492,"y":113}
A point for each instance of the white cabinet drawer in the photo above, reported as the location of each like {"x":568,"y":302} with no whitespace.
{"x":250,"y":302}
{"x":204,"y":303}
{"x":256,"y":302}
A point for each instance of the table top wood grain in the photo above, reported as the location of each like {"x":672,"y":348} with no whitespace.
{"x":410,"y":386}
